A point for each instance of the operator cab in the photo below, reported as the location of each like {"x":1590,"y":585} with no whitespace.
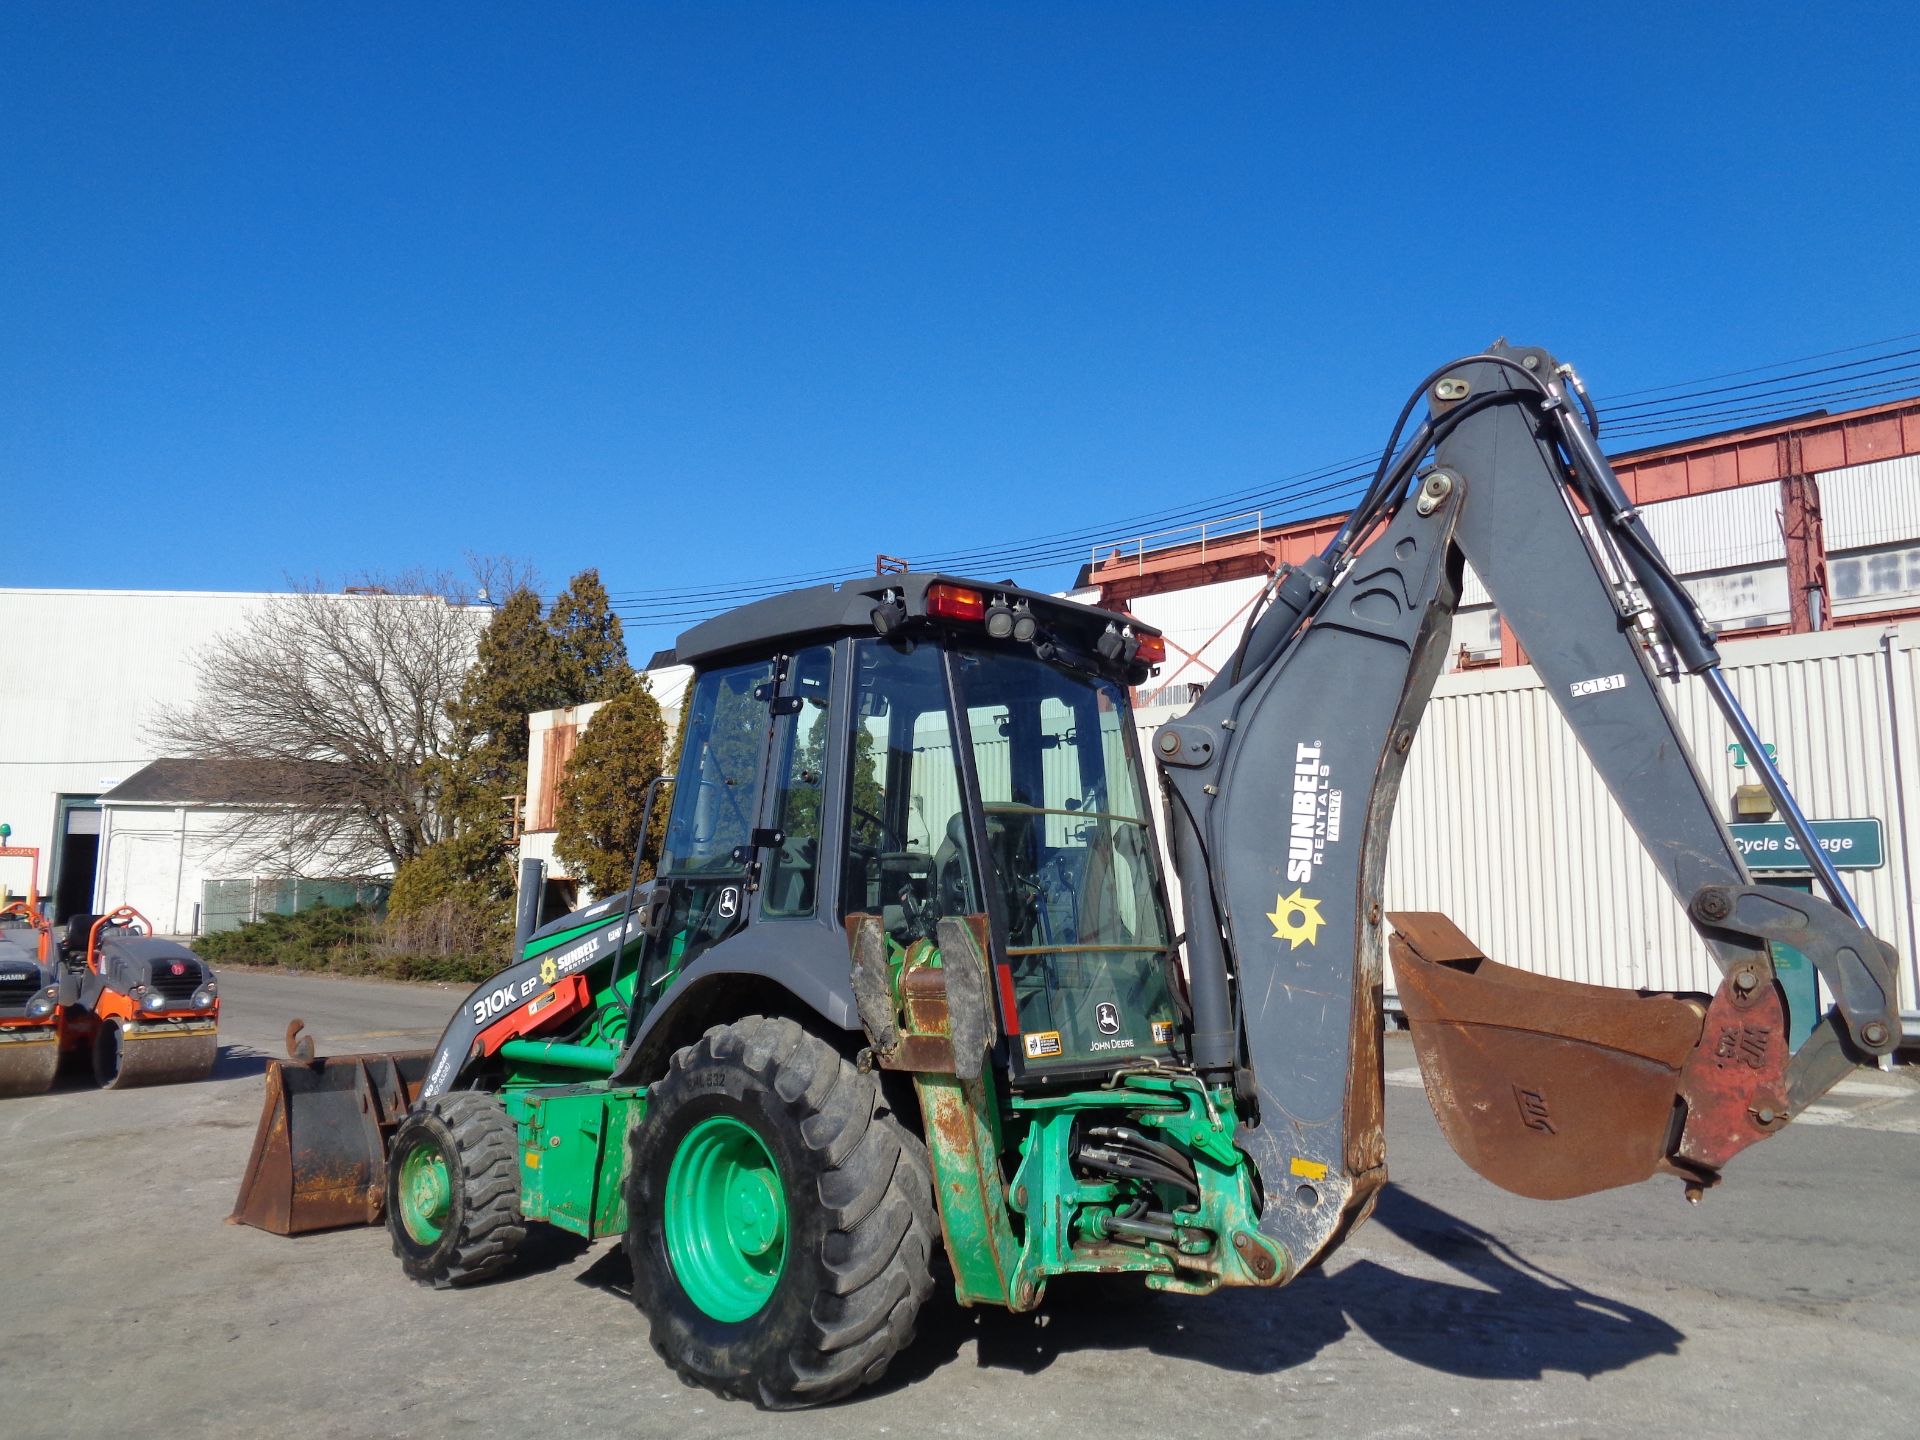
{"x":954,"y":749}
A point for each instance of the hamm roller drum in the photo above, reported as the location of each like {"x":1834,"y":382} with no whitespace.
{"x":28,"y":1060}
{"x":163,"y":1054}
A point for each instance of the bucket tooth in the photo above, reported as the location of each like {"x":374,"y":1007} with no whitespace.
{"x":1548,"y":1088}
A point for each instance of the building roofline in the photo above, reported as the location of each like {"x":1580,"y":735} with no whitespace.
{"x":101,"y":590}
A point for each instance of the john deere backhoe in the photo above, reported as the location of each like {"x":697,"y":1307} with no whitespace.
{"x":906,"y":981}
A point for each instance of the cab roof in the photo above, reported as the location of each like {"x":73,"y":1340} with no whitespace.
{"x":762,"y":626}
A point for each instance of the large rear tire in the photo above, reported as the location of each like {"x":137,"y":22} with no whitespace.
{"x":453,"y":1190}
{"x":781,"y":1224}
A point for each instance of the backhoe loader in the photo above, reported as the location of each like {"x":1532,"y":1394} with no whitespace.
{"x":905,"y":980}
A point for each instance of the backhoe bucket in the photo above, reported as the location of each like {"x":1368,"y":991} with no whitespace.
{"x":1553,"y":1089}
{"x":320,"y":1155}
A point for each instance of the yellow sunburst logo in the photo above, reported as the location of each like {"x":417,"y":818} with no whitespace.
{"x":548,"y":970}
{"x":1296,"y":919}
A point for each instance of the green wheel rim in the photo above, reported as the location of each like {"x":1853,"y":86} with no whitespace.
{"x":425,"y":1192}
{"x":726,"y":1220}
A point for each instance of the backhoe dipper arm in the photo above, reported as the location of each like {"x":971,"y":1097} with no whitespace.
{"x":1283,"y":779}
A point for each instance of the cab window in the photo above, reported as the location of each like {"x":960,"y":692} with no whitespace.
{"x":799,"y":771}
{"x":908,"y":857}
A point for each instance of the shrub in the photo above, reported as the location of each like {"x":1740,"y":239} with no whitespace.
{"x":441,"y":944}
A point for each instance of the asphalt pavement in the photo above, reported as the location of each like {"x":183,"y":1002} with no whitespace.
{"x":1787,"y":1304}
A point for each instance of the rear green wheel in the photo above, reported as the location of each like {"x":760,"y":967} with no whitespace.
{"x":780,"y":1219}
{"x":726,"y":1218}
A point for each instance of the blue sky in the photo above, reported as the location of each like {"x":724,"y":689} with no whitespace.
{"x":710,"y":293}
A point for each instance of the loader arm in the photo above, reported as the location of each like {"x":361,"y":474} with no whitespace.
{"x":1282,"y":783}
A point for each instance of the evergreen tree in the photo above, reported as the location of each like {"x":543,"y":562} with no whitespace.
{"x":525,"y":662}
{"x":590,"y":653}
{"x":516,"y":670}
{"x":619,"y":755}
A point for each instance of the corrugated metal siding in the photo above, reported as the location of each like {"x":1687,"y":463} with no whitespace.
{"x":1202,"y":625}
{"x":1874,"y":504}
{"x":1503,"y":825}
{"x":1472,"y":592}
{"x":1901,"y":659}
{"x":1719,"y":530}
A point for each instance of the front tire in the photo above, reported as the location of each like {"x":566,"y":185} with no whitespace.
{"x":453,"y":1190}
{"x":781,"y":1224}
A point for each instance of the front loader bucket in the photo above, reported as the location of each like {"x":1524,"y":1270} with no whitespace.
{"x":320,"y":1155}
{"x":1552,"y":1089}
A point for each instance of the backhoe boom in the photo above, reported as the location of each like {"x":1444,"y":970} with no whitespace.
{"x":1284,"y":779}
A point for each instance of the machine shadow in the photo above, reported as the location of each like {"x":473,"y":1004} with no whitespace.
{"x":1515,"y":1321}
{"x":1509,"y":1320}
{"x":609,"y":1272}
{"x":238,"y":1062}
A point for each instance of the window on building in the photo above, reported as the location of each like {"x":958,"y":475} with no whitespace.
{"x":1741,"y":599}
{"x":1476,"y":636}
{"x":1869,"y":579}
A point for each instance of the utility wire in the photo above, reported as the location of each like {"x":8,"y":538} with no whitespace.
{"x":1620,"y":418}
{"x":1775,"y":365}
{"x":1750,"y":402}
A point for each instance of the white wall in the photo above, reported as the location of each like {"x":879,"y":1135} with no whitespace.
{"x":87,"y":672}
{"x":156,"y":858}
{"x":1202,"y":626}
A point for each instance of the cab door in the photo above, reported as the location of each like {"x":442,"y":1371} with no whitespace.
{"x":709,"y":862}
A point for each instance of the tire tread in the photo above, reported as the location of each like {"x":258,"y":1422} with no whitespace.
{"x":875,"y":1188}
{"x":491,"y":1228}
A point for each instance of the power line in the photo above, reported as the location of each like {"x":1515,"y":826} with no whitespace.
{"x":1680,"y":409}
{"x":1218,"y":505}
{"x":1904,"y":382}
{"x":1031,"y":554}
{"x":1775,"y":365}
{"x":1670,"y":405}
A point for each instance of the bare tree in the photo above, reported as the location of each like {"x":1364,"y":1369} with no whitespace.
{"x":326,"y":719}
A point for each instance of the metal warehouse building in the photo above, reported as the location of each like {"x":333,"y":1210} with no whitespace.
{"x":1800,"y":541}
